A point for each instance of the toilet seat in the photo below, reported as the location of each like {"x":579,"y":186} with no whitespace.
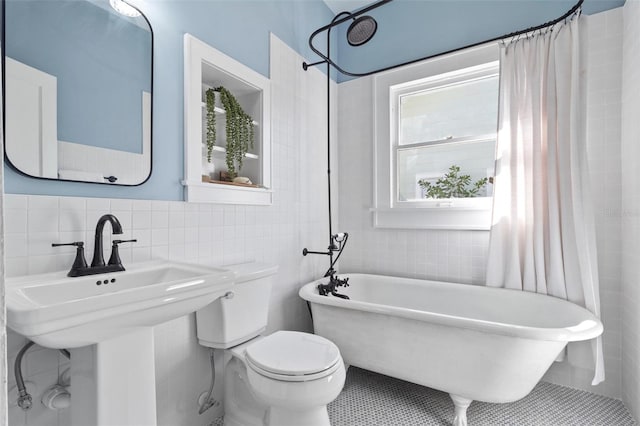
{"x":293,"y":356}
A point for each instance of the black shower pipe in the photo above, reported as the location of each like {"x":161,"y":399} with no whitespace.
{"x":335,"y":22}
{"x":326,"y":59}
{"x":331,"y":244}
{"x":332,"y":247}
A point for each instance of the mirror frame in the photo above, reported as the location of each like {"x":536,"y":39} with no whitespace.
{"x":4,"y":108}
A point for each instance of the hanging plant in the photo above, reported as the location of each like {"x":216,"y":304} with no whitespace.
{"x":452,"y":185}
{"x":239,"y":129}
{"x":210,"y":95}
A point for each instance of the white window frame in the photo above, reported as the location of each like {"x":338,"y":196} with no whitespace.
{"x":462,"y":213}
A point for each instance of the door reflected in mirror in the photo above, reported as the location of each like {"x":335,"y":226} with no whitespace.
{"x":78,"y":84}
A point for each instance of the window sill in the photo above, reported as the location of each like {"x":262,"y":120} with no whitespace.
{"x":436,"y":214}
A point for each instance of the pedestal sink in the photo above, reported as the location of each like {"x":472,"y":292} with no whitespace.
{"x":106,"y":321}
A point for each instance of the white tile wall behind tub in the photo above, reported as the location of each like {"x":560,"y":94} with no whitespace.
{"x":202,"y":233}
{"x":460,"y":256}
{"x":631,"y":208}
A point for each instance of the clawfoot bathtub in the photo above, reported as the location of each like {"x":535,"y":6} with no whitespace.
{"x":473,"y":342}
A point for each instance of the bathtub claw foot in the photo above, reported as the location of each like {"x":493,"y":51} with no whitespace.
{"x":460,"y":404}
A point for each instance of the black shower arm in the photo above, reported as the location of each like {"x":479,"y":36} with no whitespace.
{"x":334,"y":23}
{"x":326,"y":60}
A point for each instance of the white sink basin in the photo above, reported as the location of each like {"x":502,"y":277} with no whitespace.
{"x":56,"y":311}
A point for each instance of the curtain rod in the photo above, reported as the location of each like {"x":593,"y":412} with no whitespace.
{"x":351,"y":15}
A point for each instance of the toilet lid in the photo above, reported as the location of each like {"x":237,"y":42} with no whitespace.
{"x":291,"y":353}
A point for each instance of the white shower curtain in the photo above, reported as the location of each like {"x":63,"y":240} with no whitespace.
{"x":543,"y":234}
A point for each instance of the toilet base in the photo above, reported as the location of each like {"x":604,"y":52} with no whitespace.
{"x":243,"y":409}
{"x":277,"y":416}
{"x":252,"y":399}
{"x":240,"y":405}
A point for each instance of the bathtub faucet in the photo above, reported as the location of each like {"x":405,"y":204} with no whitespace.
{"x":338,"y":243}
{"x":332,"y":286}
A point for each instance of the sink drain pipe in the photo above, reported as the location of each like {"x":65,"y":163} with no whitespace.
{"x":24,"y":398}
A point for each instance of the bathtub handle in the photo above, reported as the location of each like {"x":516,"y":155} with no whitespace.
{"x":332,"y":287}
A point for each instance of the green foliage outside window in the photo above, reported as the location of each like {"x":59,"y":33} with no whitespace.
{"x":452,"y":185}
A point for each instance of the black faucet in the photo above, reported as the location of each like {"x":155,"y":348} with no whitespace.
{"x":80,"y":267}
{"x":332,"y":286}
{"x":338,"y":243}
{"x":98,"y":257}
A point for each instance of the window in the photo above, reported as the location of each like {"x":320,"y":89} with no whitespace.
{"x":435,"y":142}
{"x":442,"y":122}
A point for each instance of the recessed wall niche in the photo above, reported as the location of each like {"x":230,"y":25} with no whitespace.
{"x":207,"y":68}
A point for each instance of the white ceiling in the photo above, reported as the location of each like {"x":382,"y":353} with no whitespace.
{"x":338,"y":6}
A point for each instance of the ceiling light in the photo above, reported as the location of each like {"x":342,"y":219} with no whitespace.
{"x":124,"y":8}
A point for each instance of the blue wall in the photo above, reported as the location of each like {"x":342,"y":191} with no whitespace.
{"x":239,"y":28}
{"x":101,"y":61}
{"x":411,"y":29}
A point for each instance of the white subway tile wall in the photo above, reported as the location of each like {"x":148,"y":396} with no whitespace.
{"x":460,"y":256}
{"x":630,"y":212}
{"x":201,"y":233}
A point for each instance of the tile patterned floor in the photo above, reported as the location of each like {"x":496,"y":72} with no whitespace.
{"x":371,"y":399}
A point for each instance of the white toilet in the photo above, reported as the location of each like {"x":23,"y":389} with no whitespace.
{"x":283,"y":379}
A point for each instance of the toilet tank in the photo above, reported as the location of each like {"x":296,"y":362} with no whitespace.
{"x":242,"y":313}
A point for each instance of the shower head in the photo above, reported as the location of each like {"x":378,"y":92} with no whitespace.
{"x":361,"y":30}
